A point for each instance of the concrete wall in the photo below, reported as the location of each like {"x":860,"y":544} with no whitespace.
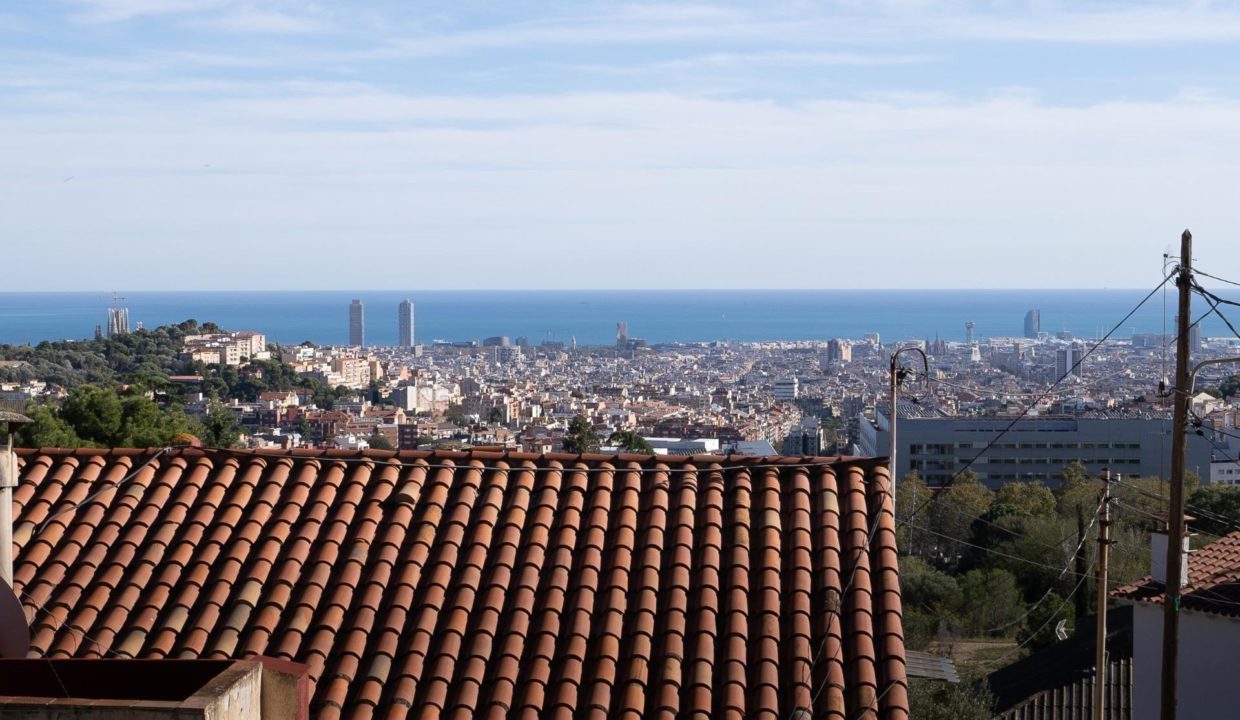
{"x":1209,"y":653}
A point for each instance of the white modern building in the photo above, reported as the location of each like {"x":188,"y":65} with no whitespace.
{"x":1035,"y":448}
{"x":787,"y":390}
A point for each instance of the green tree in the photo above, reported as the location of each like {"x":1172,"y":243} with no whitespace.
{"x":95,"y":414}
{"x":496,"y":416}
{"x":455,"y":415}
{"x":911,"y":494}
{"x":954,"y":511}
{"x":220,"y":427}
{"x":581,"y":436}
{"x":1038,"y":628}
{"x":935,"y":700}
{"x":100,"y":416}
{"x":378,"y":442}
{"x":928,"y":598}
{"x":1076,"y":491}
{"x":630,"y":441}
{"x":989,"y":600}
{"x":46,"y":429}
{"x":1222,"y":506}
{"x":1031,"y":498}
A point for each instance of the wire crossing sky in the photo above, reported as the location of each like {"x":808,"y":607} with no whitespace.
{"x":265,"y":144}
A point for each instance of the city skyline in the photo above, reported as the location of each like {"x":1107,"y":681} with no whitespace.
{"x":544,"y":138}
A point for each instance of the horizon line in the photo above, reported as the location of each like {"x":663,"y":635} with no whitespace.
{"x":575,"y":290}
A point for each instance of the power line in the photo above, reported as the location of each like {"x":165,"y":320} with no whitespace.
{"x":468,"y":464}
{"x":1200,"y":511}
{"x":1050,"y":589}
{"x":1063,"y":603}
{"x":992,"y":551}
{"x":1037,"y":400}
{"x":114,"y":486}
{"x":1215,"y":301}
{"x":1197,"y":271}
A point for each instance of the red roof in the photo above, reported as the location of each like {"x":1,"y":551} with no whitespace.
{"x":439,"y":582}
{"x":1213,"y":580}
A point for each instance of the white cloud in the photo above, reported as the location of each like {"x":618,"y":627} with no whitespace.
{"x":265,"y":21}
{"x":120,"y":10}
{"x":542,"y":186}
{"x":743,"y":61}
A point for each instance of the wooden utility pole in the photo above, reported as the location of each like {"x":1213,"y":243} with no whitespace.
{"x":1104,"y":554}
{"x":1081,"y":599}
{"x":1175,"y":514}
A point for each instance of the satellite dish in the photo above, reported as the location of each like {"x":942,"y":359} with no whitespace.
{"x":14,"y":630}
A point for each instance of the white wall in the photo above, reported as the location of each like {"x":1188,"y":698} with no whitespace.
{"x":1209,"y":654}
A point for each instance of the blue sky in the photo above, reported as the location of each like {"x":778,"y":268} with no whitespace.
{"x":252,"y":144}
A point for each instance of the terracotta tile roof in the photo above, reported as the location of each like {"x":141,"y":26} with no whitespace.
{"x":1213,"y":580}
{"x":434,"y":582}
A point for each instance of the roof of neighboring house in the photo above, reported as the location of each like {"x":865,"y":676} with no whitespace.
{"x":925,"y":666}
{"x":1213,"y":580}
{"x":479,"y":582}
{"x":1063,"y":663}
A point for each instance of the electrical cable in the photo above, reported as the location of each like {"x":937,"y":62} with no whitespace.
{"x":992,"y":551}
{"x":1050,"y":589}
{"x":1215,"y":277}
{"x":1200,"y":511}
{"x":1055,"y":615}
{"x":1032,"y":636}
{"x":114,"y":486}
{"x":1039,"y":399}
{"x":468,"y":464}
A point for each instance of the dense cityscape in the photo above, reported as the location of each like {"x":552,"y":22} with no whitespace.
{"x":787,"y":398}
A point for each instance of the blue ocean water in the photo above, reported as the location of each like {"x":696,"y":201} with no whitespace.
{"x":590,"y":316}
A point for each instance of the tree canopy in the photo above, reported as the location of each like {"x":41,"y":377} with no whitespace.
{"x":93,"y":416}
{"x":581,"y":436}
{"x":630,"y":441}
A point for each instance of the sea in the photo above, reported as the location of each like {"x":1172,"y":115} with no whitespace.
{"x":590,"y":316}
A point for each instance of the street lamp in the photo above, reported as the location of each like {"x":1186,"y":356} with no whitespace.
{"x":898,"y":374}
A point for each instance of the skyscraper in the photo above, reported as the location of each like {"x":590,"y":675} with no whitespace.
{"x":1066,"y":359}
{"x":404,"y":324}
{"x":357,"y":324}
{"x":1033,"y":323}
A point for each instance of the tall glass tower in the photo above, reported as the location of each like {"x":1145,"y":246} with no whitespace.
{"x":1033,"y":323}
{"x":357,"y":324}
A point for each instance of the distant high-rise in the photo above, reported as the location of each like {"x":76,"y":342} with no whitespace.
{"x":1066,"y":361}
{"x":1033,"y":323}
{"x":839,"y":351}
{"x":357,"y":324}
{"x":405,"y":324}
{"x":1194,"y":333}
{"x":118,"y":321}
{"x":622,"y":333}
